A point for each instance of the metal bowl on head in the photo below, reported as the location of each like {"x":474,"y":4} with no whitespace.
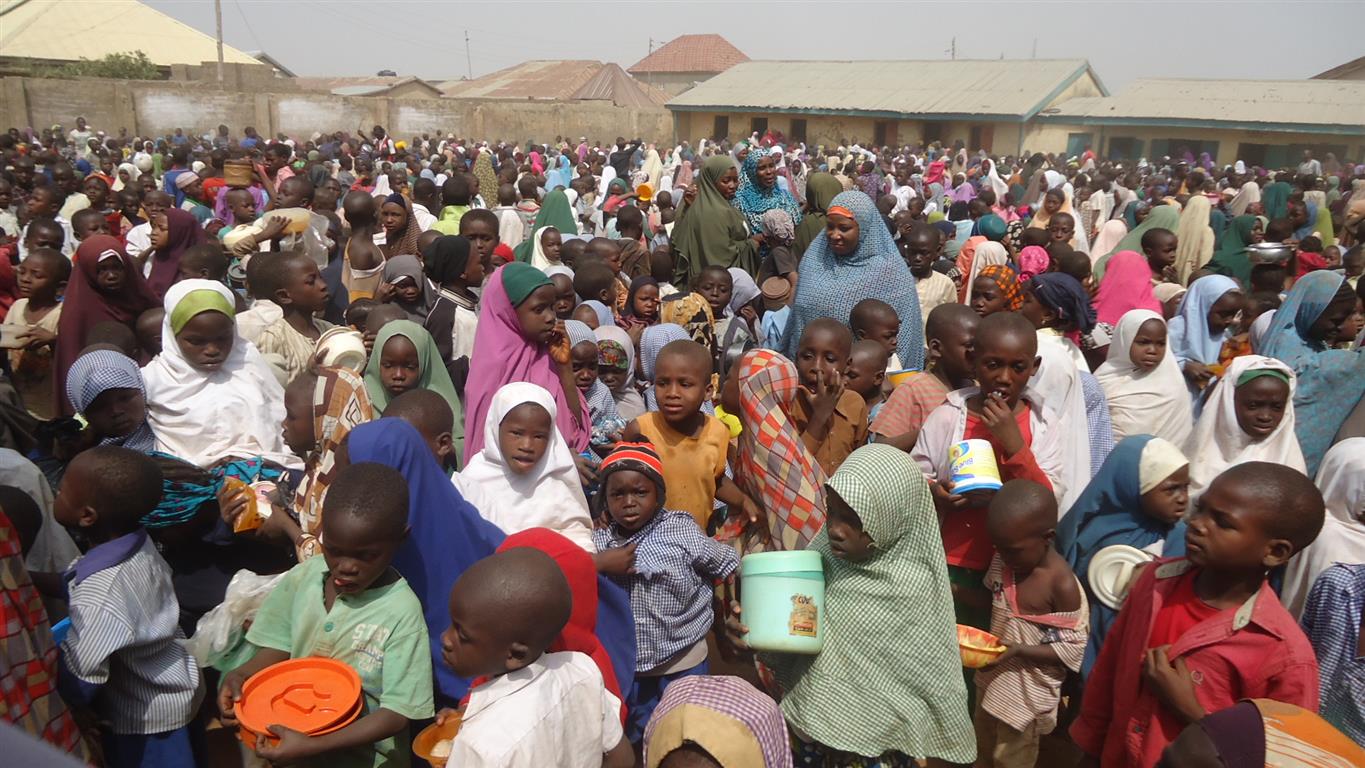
{"x":1269,"y":253}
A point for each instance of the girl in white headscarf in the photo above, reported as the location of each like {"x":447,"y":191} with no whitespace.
{"x":1221,"y":439}
{"x":515,"y":489}
{"x":210,"y":394}
{"x":1341,"y":478}
{"x":1145,"y":398}
{"x":127,"y":174}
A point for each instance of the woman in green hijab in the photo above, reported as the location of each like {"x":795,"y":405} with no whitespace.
{"x":1162,"y":217}
{"x":555,"y":211}
{"x":820,"y":190}
{"x":1275,"y":198}
{"x":888,"y":683}
{"x":1231,"y":258}
{"x":711,"y":231}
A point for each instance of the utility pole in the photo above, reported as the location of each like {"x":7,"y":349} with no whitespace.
{"x":218,"y":19}
{"x":954,"y":50}
{"x":468,"y":62}
{"x":1035,"y":47}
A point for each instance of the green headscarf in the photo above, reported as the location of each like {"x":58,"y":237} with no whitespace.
{"x":556,"y":212}
{"x":1323,"y":226}
{"x":1161,"y":217}
{"x":519,"y":280}
{"x":432,"y":374}
{"x":890,"y":675}
{"x":711,"y":231}
{"x":1275,"y":199}
{"x":1231,"y":258}
{"x":820,"y":190}
{"x":195,"y":302}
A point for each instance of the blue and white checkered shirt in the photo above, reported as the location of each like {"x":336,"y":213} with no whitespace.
{"x":671,"y":590}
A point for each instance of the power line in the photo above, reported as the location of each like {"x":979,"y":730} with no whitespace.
{"x":249,"y":30}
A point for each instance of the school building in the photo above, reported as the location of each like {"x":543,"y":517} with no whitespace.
{"x":1263,"y":122}
{"x":991,"y":105}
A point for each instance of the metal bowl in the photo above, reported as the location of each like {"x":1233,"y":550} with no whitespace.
{"x":1269,"y":253}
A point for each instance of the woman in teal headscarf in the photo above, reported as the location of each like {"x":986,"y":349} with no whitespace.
{"x":1331,"y":382}
{"x":710,"y":231}
{"x":555,"y":211}
{"x":1161,"y":217}
{"x":1275,"y":199}
{"x":1231,"y":257}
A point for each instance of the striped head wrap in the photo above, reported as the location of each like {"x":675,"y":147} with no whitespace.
{"x":640,"y":457}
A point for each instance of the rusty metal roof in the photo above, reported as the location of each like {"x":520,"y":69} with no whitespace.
{"x":611,"y":83}
{"x":1016,"y":89}
{"x":544,"y":80}
{"x":1289,"y":104}
{"x":691,"y":53}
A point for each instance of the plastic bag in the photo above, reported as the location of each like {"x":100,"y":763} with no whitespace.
{"x":222,"y":630}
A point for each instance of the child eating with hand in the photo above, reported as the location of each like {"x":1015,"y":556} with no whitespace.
{"x":693,"y":446}
{"x":668,"y":566}
{"x":1004,"y":356}
{"x":532,"y":709}
{"x":1039,"y":613}
{"x":832,"y":419}
{"x":352,"y":606}
{"x":1208,"y":629}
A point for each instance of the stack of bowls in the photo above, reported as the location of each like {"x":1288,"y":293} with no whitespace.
{"x":312,"y":695}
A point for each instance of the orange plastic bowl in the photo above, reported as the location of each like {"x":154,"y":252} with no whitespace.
{"x":423,"y":743}
{"x":977,"y":646}
{"x":312,"y":695}
{"x":248,"y":736}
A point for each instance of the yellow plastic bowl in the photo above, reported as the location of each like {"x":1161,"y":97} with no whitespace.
{"x":977,"y":646}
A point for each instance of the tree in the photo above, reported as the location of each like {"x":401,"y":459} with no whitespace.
{"x":119,"y":66}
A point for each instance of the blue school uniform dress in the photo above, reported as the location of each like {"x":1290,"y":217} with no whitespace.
{"x":123,"y":655}
{"x":676,"y":566}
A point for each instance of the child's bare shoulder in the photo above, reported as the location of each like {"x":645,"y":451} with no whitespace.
{"x":1066,"y":591}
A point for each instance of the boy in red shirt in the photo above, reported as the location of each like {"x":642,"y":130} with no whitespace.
{"x":1004,"y":356}
{"x":1200,"y":633}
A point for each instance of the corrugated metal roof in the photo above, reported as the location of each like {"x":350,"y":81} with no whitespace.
{"x":361,"y":86}
{"x":1259,"y":102}
{"x":73,"y":29}
{"x":611,"y":83}
{"x":910,"y":88}
{"x":1351,"y":70}
{"x":691,"y":53}
{"x":535,"y":80}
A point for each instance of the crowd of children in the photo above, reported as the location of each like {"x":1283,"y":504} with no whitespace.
{"x":495,"y":427}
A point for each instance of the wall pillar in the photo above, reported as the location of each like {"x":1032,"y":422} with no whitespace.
{"x":16,"y":101}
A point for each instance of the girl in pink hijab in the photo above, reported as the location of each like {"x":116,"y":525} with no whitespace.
{"x":1127,"y":285}
{"x":515,"y":340}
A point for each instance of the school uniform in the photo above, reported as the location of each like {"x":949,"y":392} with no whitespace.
{"x":555,"y":711}
{"x":123,"y":654}
{"x":380,"y":633}
{"x":1253,"y":651}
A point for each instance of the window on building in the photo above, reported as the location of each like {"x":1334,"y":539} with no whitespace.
{"x":721,"y":130}
{"x":933,"y":132}
{"x":1125,"y":148}
{"x":758,"y":125}
{"x":1077,"y":142}
{"x":1176,"y":149}
{"x":798,"y":131}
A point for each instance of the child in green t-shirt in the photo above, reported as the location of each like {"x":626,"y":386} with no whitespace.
{"x":349,"y":605}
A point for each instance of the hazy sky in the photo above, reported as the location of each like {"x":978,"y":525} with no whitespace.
{"x":1284,"y":39}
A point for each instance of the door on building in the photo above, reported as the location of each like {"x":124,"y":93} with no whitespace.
{"x":758,"y":125}
{"x":981,"y":137}
{"x":798,"y":131}
{"x":721,"y":129}
{"x":884,"y":133}
{"x":1253,"y":154}
{"x":1124,"y":148}
{"x":1077,"y":142}
{"x":933,"y":132}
